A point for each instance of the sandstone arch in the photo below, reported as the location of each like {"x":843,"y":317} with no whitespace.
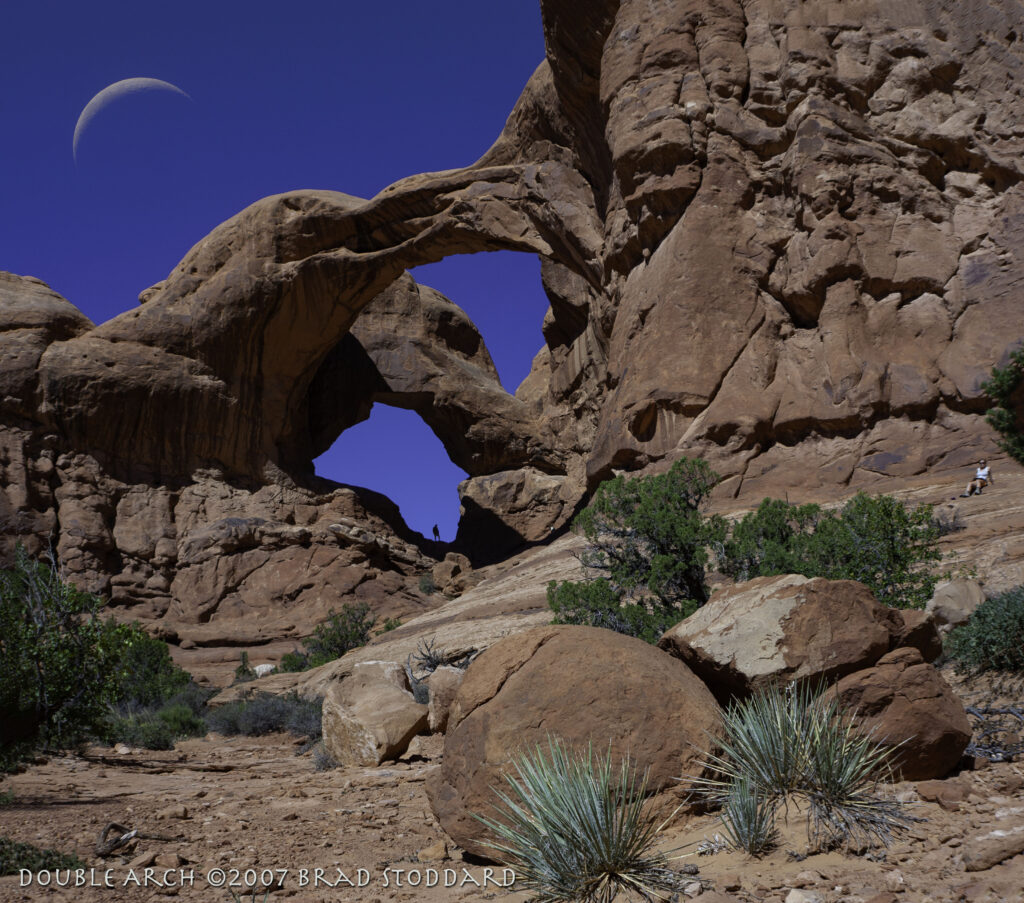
{"x":783,"y":235}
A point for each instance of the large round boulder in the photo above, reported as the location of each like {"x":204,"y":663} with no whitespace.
{"x":904,"y":703}
{"x":582,"y":685}
{"x":790,"y":627}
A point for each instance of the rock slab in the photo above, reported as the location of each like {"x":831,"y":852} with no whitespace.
{"x":371,"y":716}
{"x":782,"y":628}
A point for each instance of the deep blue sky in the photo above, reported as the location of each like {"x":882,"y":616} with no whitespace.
{"x":340,"y":95}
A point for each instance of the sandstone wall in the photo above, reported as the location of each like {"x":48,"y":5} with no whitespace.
{"x":783,"y":235}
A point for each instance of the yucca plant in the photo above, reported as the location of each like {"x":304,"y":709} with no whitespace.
{"x":748,"y":819}
{"x":791,"y":744}
{"x":575,"y":829}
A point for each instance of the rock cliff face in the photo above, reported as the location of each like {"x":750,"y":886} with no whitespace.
{"x":784,"y":235}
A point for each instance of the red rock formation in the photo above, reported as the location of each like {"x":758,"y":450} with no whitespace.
{"x":782,"y":235}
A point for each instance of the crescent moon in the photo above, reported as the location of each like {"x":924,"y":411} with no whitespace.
{"x":111,"y":93}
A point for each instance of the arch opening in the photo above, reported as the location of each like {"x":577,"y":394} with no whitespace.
{"x":434,"y":379}
{"x":502,"y":294}
{"x":394,"y":452}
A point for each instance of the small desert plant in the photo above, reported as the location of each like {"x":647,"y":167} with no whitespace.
{"x":1006,"y":389}
{"x":993,"y":637}
{"x":244,"y":672}
{"x":306,"y":717}
{"x":265,"y":714}
{"x":428,"y":658}
{"x":340,"y":633}
{"x":293,"y":661}
{"x":418,"y":685}
{"x":15,"y":856}
{"x":427,"y":585}
{"x":574,"y":828}
{"x":793,"y":745}
{"x":748,"y":819}
{"x":595,"y":603}
{"x":322,"y":759}
{"x":157,"y":728}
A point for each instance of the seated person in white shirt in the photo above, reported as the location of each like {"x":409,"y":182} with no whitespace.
{"x":982,"y":477}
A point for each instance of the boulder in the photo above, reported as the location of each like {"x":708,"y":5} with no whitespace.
{"x":921,"y":631}
{"x":454,"y":575}
{"x":987,"y":850}
{"x":788,"y":627}
{"x":443,"y":685}
{"x":904,"y":702}
{"x":583,"y":685}
{"x":371,"y":716}
{"x":953,"y":602}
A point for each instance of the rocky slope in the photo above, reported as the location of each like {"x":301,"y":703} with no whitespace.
{"x":783,"y":235}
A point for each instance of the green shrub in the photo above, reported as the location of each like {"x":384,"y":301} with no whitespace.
{"x":54,"y":683}
{"x":293,"y":661}
{"x":265,"y":714}
{"x":340,"y":633}
{"x":790,"y":744}
{"x":427,"y":585}
{"x":322,"y":759}
{"x":1006,"y":389}
{"x":647,"y":542}
{"x":875,"y":540}
{"x":15,"y":856}
{"x":648,"y":534}
{"x":574,"y":829}
{"x":141,"y":669}
{"x":156,"y":727}
{"x":244,"y":672}
{"x":993,"y":638}
{"x":748,"y":819}
{"x":595,"y":604}
{"x":773,"y":539}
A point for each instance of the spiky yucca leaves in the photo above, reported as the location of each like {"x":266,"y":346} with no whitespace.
{"x":574,"y":829}
{"x":748,"y":819}
{"x":843,"y":774}
{"x":789,"y":743}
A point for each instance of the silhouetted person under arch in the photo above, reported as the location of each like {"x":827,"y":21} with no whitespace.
{"x":437,"y":534}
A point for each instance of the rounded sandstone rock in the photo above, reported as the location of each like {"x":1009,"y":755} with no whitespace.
{"x":583,"y":685}
{"x":905,"y":703}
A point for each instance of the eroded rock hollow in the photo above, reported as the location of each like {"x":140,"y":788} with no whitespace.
{"x":783,"y":235}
